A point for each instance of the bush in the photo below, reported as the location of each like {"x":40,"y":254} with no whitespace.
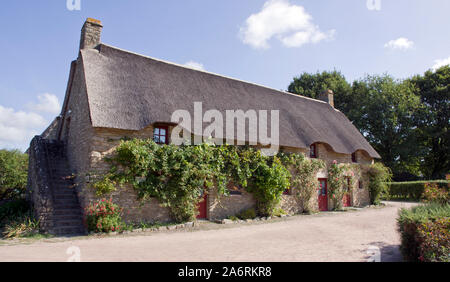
{"x":21,"y":227}
{"x":104,"y":216}
{"x":414,"y":225}
{"x":435,"y":241}
{"x":13,"y":174}
{"x":13,"y":209}
{"x":247,"y":214}
{"x":413,"y":190}
{"x":433,"y":194}
{"x":379,"y":175}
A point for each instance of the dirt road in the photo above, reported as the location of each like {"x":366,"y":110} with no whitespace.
{"x":331,"y":236}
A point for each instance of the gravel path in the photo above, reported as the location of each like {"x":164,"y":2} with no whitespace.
{"x":330,"y":236}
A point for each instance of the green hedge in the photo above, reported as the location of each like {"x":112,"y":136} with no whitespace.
{"x":424,"y":232}
{"x":411,"y":190}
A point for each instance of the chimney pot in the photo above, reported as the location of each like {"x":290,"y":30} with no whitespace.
{"x":327,"y":96}
{"x":90,"y":33}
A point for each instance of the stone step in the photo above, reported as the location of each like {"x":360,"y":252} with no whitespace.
{"x":60,"y":206}
{"x":66,"y":203}
{"x":64,"y":217}
{"x":67,"y":196}
{"x":68,"y":222}
{"x":69,"y":230}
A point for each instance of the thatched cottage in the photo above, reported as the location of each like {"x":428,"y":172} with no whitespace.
{"x":113,"y":93}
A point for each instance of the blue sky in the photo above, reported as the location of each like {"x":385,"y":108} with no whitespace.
{"x":265,"y":42}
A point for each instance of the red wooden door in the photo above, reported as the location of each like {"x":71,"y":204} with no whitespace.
{"x":323,"y":195}
{"x":202,"y":207}
{"x":347,"y":201}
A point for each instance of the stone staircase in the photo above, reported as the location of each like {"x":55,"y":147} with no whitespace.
{"x":67,"y":213}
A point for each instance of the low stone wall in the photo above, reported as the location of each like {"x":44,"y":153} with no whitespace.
{"x":135,"y":211}
{"x":220,"y":207}
{"x":39,"y":187}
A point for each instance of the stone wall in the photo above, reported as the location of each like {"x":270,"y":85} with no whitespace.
{"x":51,"y":132}
{"x":77,"y":131}
{"x":103,"y":141}
{"x":220,"y":207}
{"x":359,"y":197}
{"x":39,"y":190}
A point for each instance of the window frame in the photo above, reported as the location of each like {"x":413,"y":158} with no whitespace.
{"x":166,"y":136}
{"x":354,"y":159}
{"x":313,"y":151}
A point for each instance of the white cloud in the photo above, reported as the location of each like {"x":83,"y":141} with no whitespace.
{"x":195,"y":65}
{"x":441,"y":63}
{"x":17,"y":128}
{"x":401,"y":43}
{"x":289,"y":23}
{"x":48,"y":103}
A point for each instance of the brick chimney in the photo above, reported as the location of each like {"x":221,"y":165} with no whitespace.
{"x":90,"y":34}
{"x":327,"y":96}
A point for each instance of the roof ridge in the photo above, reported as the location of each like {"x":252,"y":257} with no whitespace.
{"x":212,"y":73}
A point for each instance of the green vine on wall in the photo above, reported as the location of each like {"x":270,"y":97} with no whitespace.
{"x":304,"y":178}
{"x":178,"y":175}
{"x":340,"y":176}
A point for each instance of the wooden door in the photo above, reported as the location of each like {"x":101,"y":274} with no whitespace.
{"x":323,"y":195}
{"x":347,"y":200}
{"x":202,"y":206}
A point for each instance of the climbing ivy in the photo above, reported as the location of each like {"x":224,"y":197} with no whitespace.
{"x":338,"y":175}
{"x":178,"y":175}
{"x":304,"y":178}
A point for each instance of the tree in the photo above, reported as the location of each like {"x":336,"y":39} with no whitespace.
{"x":433,"y":121}
{"x":311,"y":85}
{"x":383,"y":110}
{"x":381,"y":107}
{"x":13,"y":174}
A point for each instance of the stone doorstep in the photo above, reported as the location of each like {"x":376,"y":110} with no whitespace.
{"x":188,"y":225}
{"x":182,"y":226}
{"x":256,"y":219}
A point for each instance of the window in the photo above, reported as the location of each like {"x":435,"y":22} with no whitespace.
{"x":360,"y":184}
{"x":313,"y":151}
{"x":347,"y":187}
{"x":354,"y":157}
{"x":160,"y":135}
{"x":234,"y":189}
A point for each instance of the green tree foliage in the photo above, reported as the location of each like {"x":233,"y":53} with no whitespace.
{"x":433,"y":121}
{"x":384,"y":111}
{"x":13,"y":174}
{"x":311,"y":85}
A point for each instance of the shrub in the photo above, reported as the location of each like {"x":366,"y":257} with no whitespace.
{"x":247,"y":214}
{"x":279,"y":212}
{"x":13,"y":174}
{"x":413,"y":225}
{"x":412,"y":190}
{"x":269,"y":183}
{"x":104,"y":216}
{"x":435,"y":241}
{"x":21,"y":227}
{"x":13,"y":209}
{"x":433,"y":194}
{"x":379,"y":175}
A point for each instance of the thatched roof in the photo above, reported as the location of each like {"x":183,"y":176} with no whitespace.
{"x":130,"y":91}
